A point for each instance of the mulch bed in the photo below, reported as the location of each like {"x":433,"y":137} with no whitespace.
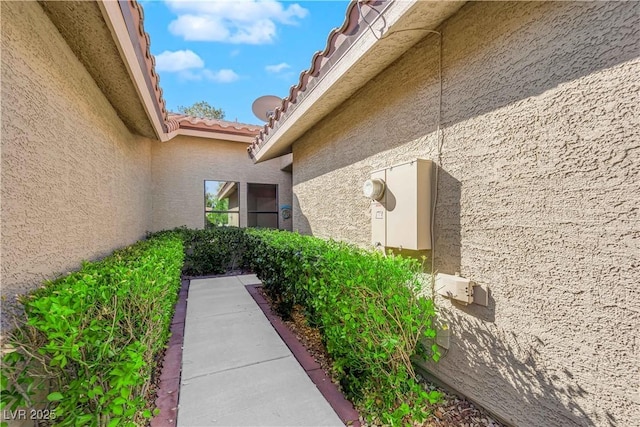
{"x":456,"y":411}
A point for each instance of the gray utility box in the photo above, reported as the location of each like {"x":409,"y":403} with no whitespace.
{"x":402,"y":217}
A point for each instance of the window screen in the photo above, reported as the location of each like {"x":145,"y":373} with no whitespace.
{"x":262,"y":205}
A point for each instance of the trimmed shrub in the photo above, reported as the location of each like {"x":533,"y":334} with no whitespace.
{"x":215,"y":250}
{"x":91,"y":338}
{"x":367,"y":309}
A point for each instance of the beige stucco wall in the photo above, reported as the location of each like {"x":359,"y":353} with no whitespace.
{"x":181,"y":166}
{"x":75,"y":182}
{"x":539,"y":194}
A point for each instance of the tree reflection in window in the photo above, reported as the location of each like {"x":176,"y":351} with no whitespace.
{"x":222,"y":203}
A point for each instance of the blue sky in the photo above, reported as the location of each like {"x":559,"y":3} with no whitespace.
{"x":231,"y":52}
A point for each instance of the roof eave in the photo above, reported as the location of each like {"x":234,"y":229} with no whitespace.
{"x":125,"y":22}
{"x":223,"y":136}
{"x":132,"y":58}
{"x":407,"y":22}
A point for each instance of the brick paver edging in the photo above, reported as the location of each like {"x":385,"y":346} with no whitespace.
{"x":169,"y":388}
{"x":336,"y":399}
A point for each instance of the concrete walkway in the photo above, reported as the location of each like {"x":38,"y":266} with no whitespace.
{"x":236,"y":370}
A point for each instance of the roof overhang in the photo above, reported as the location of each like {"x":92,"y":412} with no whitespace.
{"x":125,"y":20}
{"x":87,"y":33}
{"x":349,"y":61}
{"x":211,"y":135}
{"x":120,"y":19}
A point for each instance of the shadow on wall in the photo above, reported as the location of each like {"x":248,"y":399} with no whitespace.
{"x":485,"y":313}
{"x":349,"y":135}
{"x":518,"y":370}
{"x":447,"y":233}
{"x":536,"y":34}
{"x":300,"y":221}
{"x":479,"y":345}
{"x":447,"y":223}
{"x":477,"y":77}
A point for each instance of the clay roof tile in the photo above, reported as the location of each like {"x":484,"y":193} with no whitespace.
{"x":350,"y":26}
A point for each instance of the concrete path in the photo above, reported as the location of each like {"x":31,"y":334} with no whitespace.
{"x":236,"y":371}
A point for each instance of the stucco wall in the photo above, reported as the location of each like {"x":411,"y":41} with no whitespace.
{"x":75,"y":182}
{"x":538,"y":198}
{"x":182,"y":165}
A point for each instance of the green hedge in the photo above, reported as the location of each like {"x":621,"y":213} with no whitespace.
{"x":215,"y":250}
{"x":91,"y":338}
{"x":368,"y":312}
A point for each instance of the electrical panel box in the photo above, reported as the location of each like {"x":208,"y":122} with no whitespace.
{"x":402,"y":217}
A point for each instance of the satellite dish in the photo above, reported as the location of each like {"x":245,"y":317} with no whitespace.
{"x":265,"y":106}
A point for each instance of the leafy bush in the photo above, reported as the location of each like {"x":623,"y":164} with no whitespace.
{"x":367,"y":310}
{"x":90,"y":338}
{"x":215,"y":250}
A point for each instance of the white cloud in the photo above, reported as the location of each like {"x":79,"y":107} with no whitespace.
{"x":277,"y":68}
{"x":190,"y":66}
{"x":224,"y":75}
{"x":221,"y":76}
{"x":190,"y":75}
{"x":232,"y":21}
{"x":179,"y":60}
{"x":198,"y":28}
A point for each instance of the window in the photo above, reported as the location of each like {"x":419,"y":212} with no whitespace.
{"x":221,"y":203}
{"x":262,"y":205}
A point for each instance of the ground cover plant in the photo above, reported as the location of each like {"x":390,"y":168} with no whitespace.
{"x":366,"y":308}
{"x":88,"y":346}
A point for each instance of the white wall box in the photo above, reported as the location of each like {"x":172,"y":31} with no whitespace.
{"x":454,"y":287}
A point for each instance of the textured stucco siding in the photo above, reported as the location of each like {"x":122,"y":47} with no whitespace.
{"x":75,"y":182}
{"x":181,"y":166}
{"x":538,"y":198}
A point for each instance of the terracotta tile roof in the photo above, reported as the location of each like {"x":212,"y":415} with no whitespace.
{"x":145,"y":44}
{"x":174,"y":122}
{"x":181,"y":121}
{"x":337,"y":36}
